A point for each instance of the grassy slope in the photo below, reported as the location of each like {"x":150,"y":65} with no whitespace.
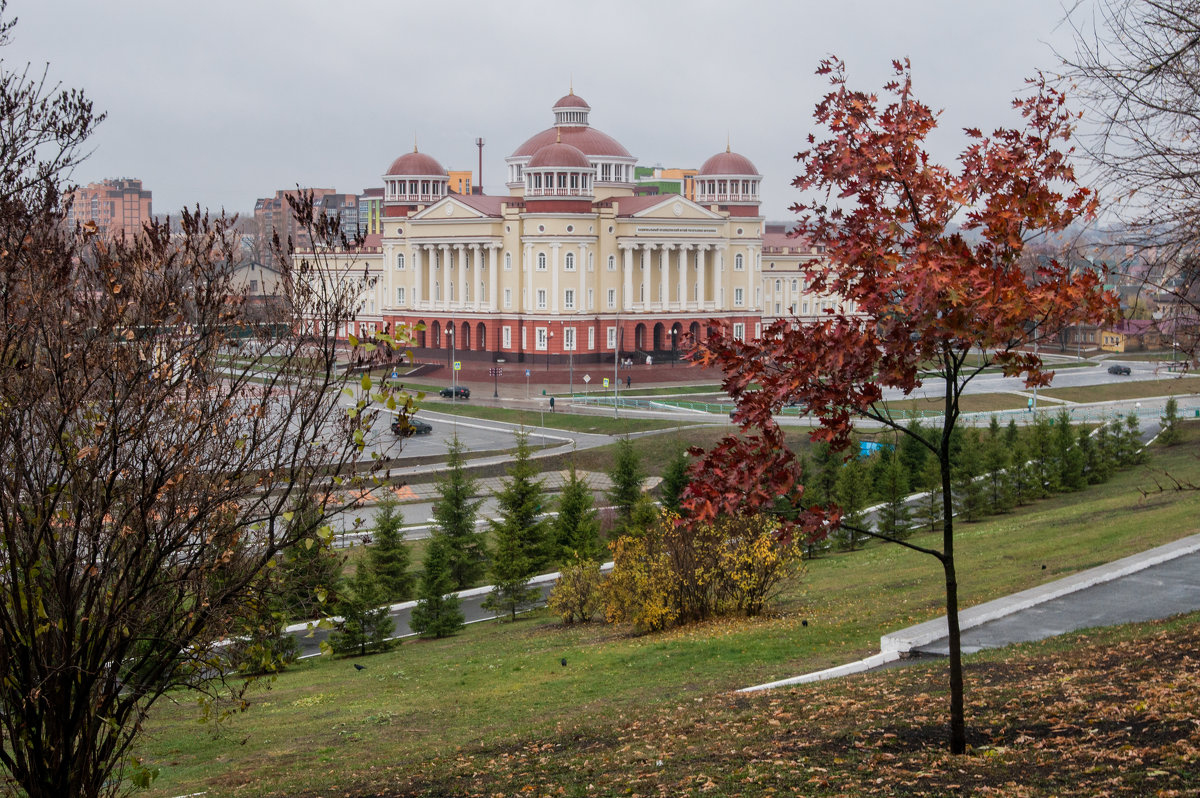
{"x":432,"y":713}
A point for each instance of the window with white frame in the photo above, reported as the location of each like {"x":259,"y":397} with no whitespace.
{"x":523,"y":343}
{"x":542,"y":337}
{"x":569,"y":299}
{"x":591,"y":338}
{"x":541,"y":262}
{"x":569,"y":339}
{"x":591,"y":299}
{"x":508,"y":261}
{"x":399,"y":260}
{"x":795,"y":285}
{"x":591,"y":262}
{"x":400,"y":295}
{"x":437,"y":290}
{"x":569,"y":262}
{"x":612,"y":297}
{"x":506,"y":337}
{"x":738,"y":297}
{"x":612,"y":263}
{"x":508,"y":297}
{"x":739,"y":263}
{"x":541,"y":298}
{"x":612,"y":337}
{"x":739,"y":332}
{"x":758,"y":329}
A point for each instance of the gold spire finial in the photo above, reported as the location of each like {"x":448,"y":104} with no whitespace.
{"x":558,"y":140}
{"x":414,"y":142}
{"x":727,"y":142}
{"x":571,"y":84}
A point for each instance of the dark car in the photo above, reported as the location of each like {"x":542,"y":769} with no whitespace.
{"x":414,"y":426}
{"x":457,"y":392}
{"x":1119,"y":370}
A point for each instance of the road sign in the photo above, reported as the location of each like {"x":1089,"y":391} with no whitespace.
{"x":458,"y":365}
{"x":395,"y":375}
{"x":606,"y":382}
{"x":587,"y":378}
{"x":526,"y":372}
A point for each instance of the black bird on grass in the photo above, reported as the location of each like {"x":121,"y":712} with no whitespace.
{"x":564,"y":662}
{"x":358,"y":667}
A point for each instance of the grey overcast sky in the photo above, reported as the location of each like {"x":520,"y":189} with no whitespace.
{"x":219,"y":102}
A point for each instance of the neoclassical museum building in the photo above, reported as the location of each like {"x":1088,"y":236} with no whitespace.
{"x":571,"y":262}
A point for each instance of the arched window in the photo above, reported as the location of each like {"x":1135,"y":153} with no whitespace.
{"x":508,"y":261}
{"x":541,"y":262}
{"x":569,"y":262}
{"x":739,"y":263}
{"x":612,"y":263}
{"x":400,"y":260}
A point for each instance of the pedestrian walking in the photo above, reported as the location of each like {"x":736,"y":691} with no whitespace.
{"x":551,"y":404}
{"x":628,"y":381}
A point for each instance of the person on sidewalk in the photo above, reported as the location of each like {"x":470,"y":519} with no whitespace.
{"x":551,"y":404}
{"x":628,"y":381}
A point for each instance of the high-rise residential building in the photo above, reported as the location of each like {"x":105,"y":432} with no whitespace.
{"x":118,"y":207}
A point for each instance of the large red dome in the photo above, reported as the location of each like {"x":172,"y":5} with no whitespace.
{"x":572,"y":100}
{"x":728,"y":163}
{"x":587,"y":140}
{"x":416,"y":163}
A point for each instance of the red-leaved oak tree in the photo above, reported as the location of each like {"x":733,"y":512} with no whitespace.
{"x":926,"y":263}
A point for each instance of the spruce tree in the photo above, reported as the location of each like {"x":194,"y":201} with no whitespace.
{"x":1129,"y":445}
{"x":1070,"y":459}
{"x":388,"y":555}
{"x":913,"y":453}
{"x":437,"y":613}
{"x":852,"y":494}
{"x":577,"y":528}
{"x":455,"y":513}
{"x":366,"y":624}
{"x":929,"y":509}
{"x":520,"y":535}
{"x":1024,"y":482}
{"x":1090,"y":454}
{"x":1043,"y":457}
{"x":674,"y":480}
{"x":894,"y":517}
{"x":311,"y":570}
{"x":1108,"y":458}
{"x":997,"y":464}
{"x":626,"y":476}
{"x":1170,"y":424}
{"x":970,"y":499}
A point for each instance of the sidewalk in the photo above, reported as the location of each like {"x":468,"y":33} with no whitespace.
{"x":1154,"y":584}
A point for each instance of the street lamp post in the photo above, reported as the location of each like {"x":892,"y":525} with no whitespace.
{"x":453,"y":373}
{"x":549,"y":343}
{"x":496,"y":378}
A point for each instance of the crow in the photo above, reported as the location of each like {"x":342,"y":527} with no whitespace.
{"x":358,"y":667}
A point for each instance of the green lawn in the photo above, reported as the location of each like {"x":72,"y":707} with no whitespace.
{"x":1118,"y":391}
{"x":498,"y":691}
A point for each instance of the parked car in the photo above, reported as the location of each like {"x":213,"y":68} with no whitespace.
{"x":457,"y":392}
{"x":1118,"y":370}
{"x":414,"y":426}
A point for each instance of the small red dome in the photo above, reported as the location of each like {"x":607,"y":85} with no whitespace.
{"x":416,"y":163}
{"x":560,"y":155}
{"x":728,"y":163}
{"x":572,"y":100}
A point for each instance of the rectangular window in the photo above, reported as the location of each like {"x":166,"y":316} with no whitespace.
{"x":541,"y":298}
{"x":612,"y":297}
{"x":739,"y":332}
{"x":400,"y":295}
{"x":569,"y":339}
{"x":738,"y":297}
{"x":569,"y":299}
{"x":612,"y":338}
{"x":591,"y":338}
{"x":508,"y":297}
{"x":506,"y":337}
{"x":542,"y":338}
{"x":591,"y":299}
{"x":524,"y":345}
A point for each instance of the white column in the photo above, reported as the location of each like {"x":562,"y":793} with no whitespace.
{"x":646,"y":275}
{"x":463,"y":285}
{"x":664,"y":269}
{"x":493,"y":278}
{"x":447,"y":266}
{"x":627,"y":286}
{"x":719,"y":278}
{"x":701,"y":298}
{"x":684,"y":253}
{"x":416,"y":262}
{"x":476,"y":276}
{"x":554,"y":277}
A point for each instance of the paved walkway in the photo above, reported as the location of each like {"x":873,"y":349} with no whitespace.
{"x":1155,"y":584}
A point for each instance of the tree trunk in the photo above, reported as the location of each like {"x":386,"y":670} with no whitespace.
{"x":958,"y":730}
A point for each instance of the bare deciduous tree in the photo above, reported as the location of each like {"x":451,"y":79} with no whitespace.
{"x":148,"y":475}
